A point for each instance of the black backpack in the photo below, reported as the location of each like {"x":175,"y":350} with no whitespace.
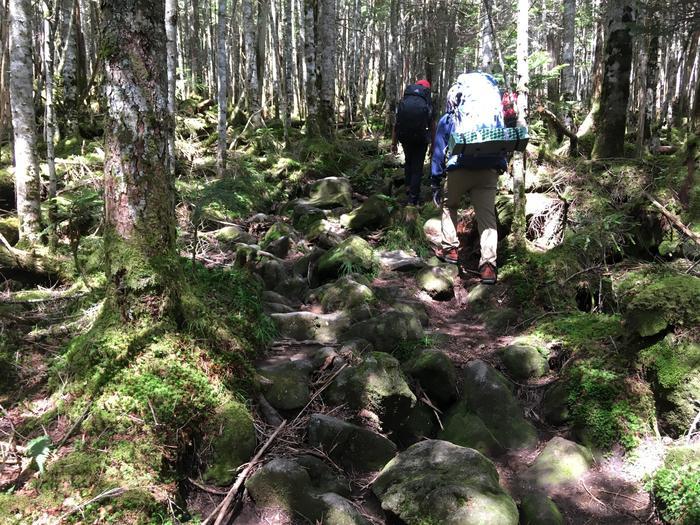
{"x":413,"y":115}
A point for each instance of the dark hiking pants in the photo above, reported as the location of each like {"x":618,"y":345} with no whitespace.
{"x":415,"y":157}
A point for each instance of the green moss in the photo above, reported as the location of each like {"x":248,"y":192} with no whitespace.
{"x":676,"y":487}
{"x":9,"y":228}
{"x":671,"y":301}
{"x":580,"y":329}
{"x":672,"y":360}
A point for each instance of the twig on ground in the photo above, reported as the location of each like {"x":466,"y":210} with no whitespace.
{"x":611,"y":507}
{"x":210,"y":490}
{"x":319,"y":392}
{"x":222,"y":510}
{"x":76,"y":425}
{"x":111,"y":493}
{"x":673,"y":218}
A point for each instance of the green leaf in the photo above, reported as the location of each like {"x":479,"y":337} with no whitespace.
{"x":38,"y":449}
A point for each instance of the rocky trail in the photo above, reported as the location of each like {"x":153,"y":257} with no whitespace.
{"x":407,"y":394}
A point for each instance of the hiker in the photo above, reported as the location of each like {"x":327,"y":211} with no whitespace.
{"x":415,"y":128}
{"x":474,"y":100}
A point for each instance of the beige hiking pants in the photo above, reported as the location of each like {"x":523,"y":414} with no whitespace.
{"x":481,"y":186}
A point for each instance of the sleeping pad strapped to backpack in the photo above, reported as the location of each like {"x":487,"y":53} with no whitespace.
{"x":413,"y":115}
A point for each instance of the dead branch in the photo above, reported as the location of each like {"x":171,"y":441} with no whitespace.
{"x":560,"y":127}
{"x":111,"y":493}
{"x":319,"y":392}
{"x":210,"y":490}
{"x":673,"y":218}
{"x":222,"y":510}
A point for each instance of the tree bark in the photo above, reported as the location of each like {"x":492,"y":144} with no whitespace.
{"x":310,"y":14}
{"x":568,"y":86}
{"x":392,"y":89}
{"x":141,"y":259}
{"x":252,"y":82}
{"x":195,"y":49}
{"x":171,"y":54}
{"x":288,"y":70}
{"x":49,"y":119}
{"x":327,"y":67}
{"x":222,"y":83}
{"x":611,"y":117}
{"x":519,"y":158}
{"x":27,"y":182}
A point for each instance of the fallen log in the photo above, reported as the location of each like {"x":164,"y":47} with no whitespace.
{"x":17,"y":261}
{"x":675,"y":221}
{"x":561,"y":127}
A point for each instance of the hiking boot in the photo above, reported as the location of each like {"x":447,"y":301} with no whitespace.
{"x":449,"y":255}
{"x":488,"y":274}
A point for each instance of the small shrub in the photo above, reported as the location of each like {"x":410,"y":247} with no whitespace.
{"x":676,"y":487}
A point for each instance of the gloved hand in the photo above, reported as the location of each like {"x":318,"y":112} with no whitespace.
{"x":436,"y":187}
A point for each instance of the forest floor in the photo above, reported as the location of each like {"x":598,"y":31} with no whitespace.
{"x":57,"y":455}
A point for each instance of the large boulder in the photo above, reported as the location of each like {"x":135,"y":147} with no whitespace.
{"x":340,"y":511}
{"x":354,"y":254}
{"x":411,"y":307}
{"x":561,"y":462}
{"x":285,"y":484}
{"x":488,"y":395}
{"x":233,"y":442}
{"x":354,"y":447}
{"x":437,"y":282}
{"x":400,"y":261}
{"x":286,"y":383}
{"x":323,"y":477}
{"x":276,"y":232}
{"x":305,"y":215}
{"x":302,"y":326}
{"x":538,"y":509}
{"x":555,"y":404}
{"x":378,"y":385}
{"x":524,"y":361}
{"x":344,"y":294}
{"x":372,"y":214}
{"x":230,"y":235}
{"x":436,"y":375}
{"x":438,"y":482}
{"x":466,"y":429}
{"x":331,"y":192}
{"x":420,"y":424}
{"x":388,"y":330}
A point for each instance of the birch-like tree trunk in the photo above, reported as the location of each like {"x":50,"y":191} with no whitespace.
{"x":49,"y":118}
{"x":327,"y":39}
{"x":612,"y":114}
{"x":486,"y":43}
{"x":288,"y":70}
{"x":27,"y":182}
{"x":252,"y":82}
{"x":5,"y":115}
{"x":171,"y":54}
{"x":261,"y":45}
{"x":222,"y":82}
{"x":68,"y":68}
{"x":392,"y":89}
{"x":519,"y":158}
{"x":139,"y":192}
{"x":310,"y":15}
{"x":195,"y":48}
{"x":568,"y":86}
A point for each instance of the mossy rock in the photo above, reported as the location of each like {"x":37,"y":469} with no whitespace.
{"x":286,"y":384}
{"x":481,"y":297}
{"x":419,"y":424}
{"x":435,"y":482}
{"x":305,"y":216}
{"x":466,"y":429}
{"x":555,"y":404}
{"x":524,"y":361}
{"x":7,"y":190}
{"x":230,"y":235}
{"x":354,"y":254}
{"x":324,"y":328}
{"x":437,"y":282}
{"x":9,"y":228}
{"x":233,"y":444}
{"x":561,"y":462}
{"x":488,"y":395}
{"x":388,"y":331}
{"x":374,"y":213}
{"x":277,"y":231}
{"x":414,"y":308}
{"x":344,"y":294}
{"x":376,"y":384}
{"x":331,"y":192}
{"x":671,"y":301}
{"x":340,"y":511}
{"x":538,"y":509}
{"x":436,"y":375}
{"x":284,"y":483}
{"x":354,"y":447}
{"x":500,"y":320}
{"x":323,"y":477}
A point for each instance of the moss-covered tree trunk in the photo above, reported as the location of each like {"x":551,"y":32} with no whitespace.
{"x":327,"y":36}
{"x":615,"y":91}
{"x":142,"y":268}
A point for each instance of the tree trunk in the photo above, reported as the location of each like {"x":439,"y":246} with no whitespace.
{"x":261,"y":39}
{"x":392,"y":89}
{"x":195,"y":46}
{"x":288,"y":70}
{"x":596,"y":80}
{"x":4,"y":72}
{"x":310,"y":14}
{"x":652,"y":79}
{"x":568,"y":39}
{"x":222,"y":83}
{"x":486,"y":46}
{"x":171,"y":51}
{"x":327,"y":67}
{"x":27,"y":182}
{"x":141,"y":259}
{"x":49,"y":119}
{"x":68,"y":69}
{"x":252,"y":83}
{"x":611,"y":117}
{"x":519,"y":158}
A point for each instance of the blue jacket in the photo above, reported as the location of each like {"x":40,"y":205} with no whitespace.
{"x":470,"y":162}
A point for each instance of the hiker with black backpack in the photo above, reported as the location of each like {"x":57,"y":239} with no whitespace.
{"x":468,"y":157}
{"x":414,"y":127}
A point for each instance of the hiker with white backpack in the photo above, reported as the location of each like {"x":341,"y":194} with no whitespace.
{"x":414,"y":127}
{"x":469,"y":154}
